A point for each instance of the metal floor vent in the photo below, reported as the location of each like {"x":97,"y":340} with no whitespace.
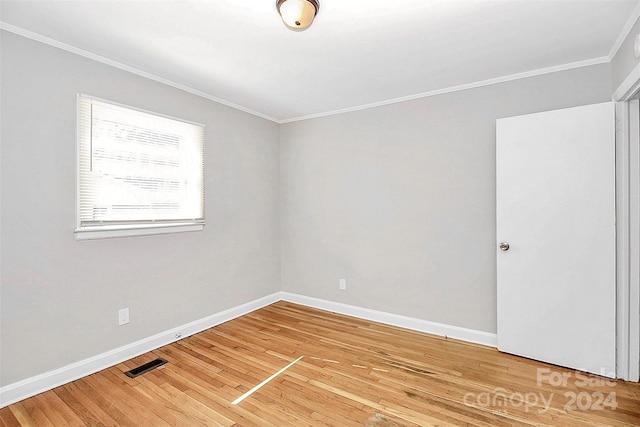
{"x":145,"y":368}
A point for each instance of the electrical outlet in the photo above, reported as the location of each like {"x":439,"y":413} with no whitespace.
{"x":343,"y":284}
{"x":123,"y":316}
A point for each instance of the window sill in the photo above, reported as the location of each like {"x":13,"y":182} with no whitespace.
{"x":108,"y":232}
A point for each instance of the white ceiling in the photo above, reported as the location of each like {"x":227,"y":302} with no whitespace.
{"x":357,"y":53}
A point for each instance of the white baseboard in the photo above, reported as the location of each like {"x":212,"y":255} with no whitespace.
{"x":31,"y":386}
{"x":40,"y":383}
{"x":464,"y":334}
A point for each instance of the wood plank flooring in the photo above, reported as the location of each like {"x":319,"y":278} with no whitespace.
{"x":352,"y":373}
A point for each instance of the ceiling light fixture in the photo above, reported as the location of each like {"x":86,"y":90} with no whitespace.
{"x":297,"y":15}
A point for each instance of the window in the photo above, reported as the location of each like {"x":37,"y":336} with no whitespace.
{"x":138,"y":173}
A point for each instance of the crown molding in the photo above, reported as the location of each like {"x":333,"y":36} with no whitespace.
{"x":497,"y":80}
{"x":625,"y":32}
{"x":90,"y":55}
{"x":511,"y":77}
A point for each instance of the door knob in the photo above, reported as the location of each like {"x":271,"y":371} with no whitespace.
{"x":504,"y":246}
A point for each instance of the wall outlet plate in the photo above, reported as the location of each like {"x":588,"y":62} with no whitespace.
{"x":123,"y":316}
{"x":343,"y":284}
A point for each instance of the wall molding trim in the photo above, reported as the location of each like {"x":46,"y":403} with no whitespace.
{"x":20,"y":390}
{"x":628,"y":238}
{"x":625,"y":32}
{"x":472,"y":85}
{"x":452,"y":89}
{"x":90,"y":55}
{"x":440,"y":329}
{"x":628,"y":87}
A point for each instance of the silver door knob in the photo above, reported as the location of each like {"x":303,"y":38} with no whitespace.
{"x":504,"y":246}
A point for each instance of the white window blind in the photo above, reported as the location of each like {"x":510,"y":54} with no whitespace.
{"x":137,"y":170}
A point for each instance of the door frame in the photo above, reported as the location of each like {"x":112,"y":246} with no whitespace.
{"x":628,"y":227}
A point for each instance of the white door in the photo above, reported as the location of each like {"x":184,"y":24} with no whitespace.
{"x":556,"y":217}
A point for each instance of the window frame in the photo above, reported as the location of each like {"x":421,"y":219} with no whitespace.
{"x":133,"y":227}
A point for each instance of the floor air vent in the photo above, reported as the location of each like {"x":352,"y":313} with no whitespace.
{"x":145,"y":368}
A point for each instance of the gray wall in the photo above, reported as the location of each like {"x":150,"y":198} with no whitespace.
{"x":59,"y":297}
{"x":400,"y":199}
{"x":624,"y":61}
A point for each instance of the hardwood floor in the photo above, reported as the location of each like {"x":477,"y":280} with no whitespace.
{"x":352,"y":373}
